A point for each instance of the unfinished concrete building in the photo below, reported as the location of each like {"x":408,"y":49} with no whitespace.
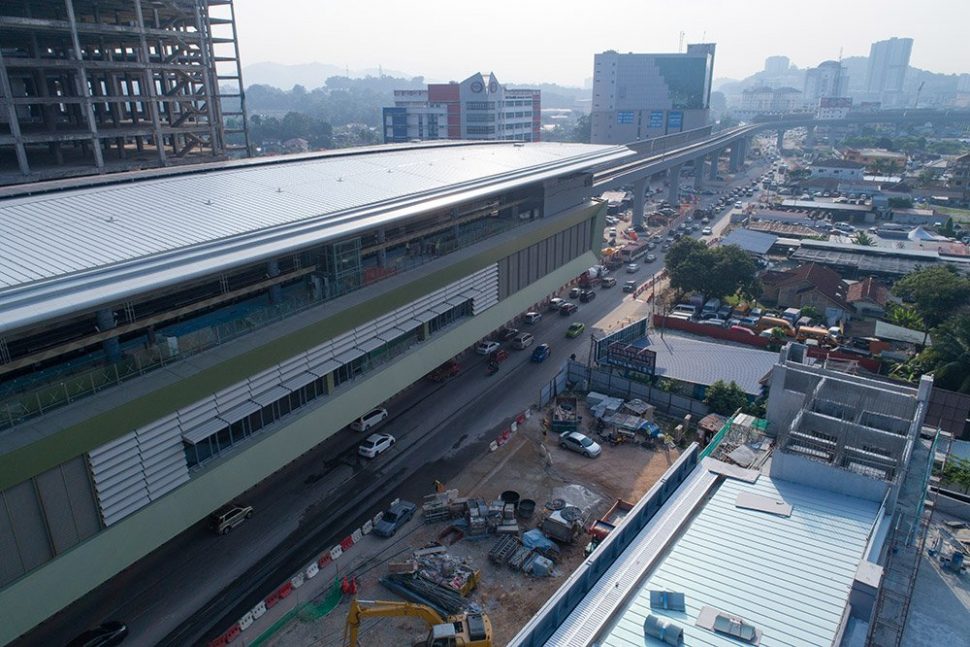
{"x":96,"y":86}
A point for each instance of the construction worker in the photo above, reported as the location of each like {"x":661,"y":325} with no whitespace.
{"x":439,"y":486}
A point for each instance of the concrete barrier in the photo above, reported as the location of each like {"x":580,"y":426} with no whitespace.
{"x":367,"y":527}
{"x":357,"y":535}
{"x":336,"y":552}
{"x":259,"y":610}
{"x":311,"y":570}
{"x":297,"y":580}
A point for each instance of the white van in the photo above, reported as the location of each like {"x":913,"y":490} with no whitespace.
{"x":522,"y":341}
{"x":369,"y":419}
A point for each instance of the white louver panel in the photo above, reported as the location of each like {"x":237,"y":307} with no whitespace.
{"x":162,"y":456}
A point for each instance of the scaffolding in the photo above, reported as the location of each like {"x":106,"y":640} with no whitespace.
{"x":98,"y":86}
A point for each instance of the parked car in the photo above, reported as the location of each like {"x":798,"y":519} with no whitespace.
{"x":375,"y":445}
{"x":522,"y":341}
{"x":567,"y":309}
{"x":394,"y":518}
{"x":107,"y":634}
{"x":228,"y":517}
{"x":540,"y":353}
{"x":555,"y":302}
{"x":573,"y":293}
{"x":632,"y":268}
{"x":487,"y":347}
{"x":532,"y":317}
{"x":577,"y":442}
{"x":369,"y":419}
{"x":575,"y":329}
{"x":505,"y":334}
{"x":630,"y":286}
{"x":651,"y":258}
{"x":586,"y":296}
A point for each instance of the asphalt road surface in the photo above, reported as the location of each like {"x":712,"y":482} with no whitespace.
{"x":197,"y":584}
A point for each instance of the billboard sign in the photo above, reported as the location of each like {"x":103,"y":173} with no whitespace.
{"x":675,"y":120}
{"x":656,"y":119}
{"x":624,"y":117}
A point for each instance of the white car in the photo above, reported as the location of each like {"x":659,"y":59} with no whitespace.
{"x":555,"y":303}
{"x":651,"y":258}
{"x":707,"y":231}
{"x":532,"y":318}
{"x":487,"y":347}
{"x":632,"y":268}
{"x":580,"y":443}
{"x":375,"y":444}
{"x":369,"y":419}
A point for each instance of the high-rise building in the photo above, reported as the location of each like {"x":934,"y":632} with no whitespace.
{"x":888,"y":62}
{"x":478,"y":108}
{"x":89,"y":87}
{"x":777,"y":65}
{"x":829,"y":79}
{"x":640,"y":96}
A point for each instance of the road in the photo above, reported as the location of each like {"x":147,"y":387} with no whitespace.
{"x":198,"y":583}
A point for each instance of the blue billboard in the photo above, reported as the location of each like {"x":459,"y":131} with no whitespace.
{"x":656,"y":119}
{"x":624,"y":117}
{"x":675,"y":120}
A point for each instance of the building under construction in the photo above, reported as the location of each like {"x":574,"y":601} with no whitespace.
{"x":98,"y":86}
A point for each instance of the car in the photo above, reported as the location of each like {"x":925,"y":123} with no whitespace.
{"x":567,"y":309}
{"x":506,"y":334}
{"x":581,"y":443}
{"x":394,"y":518}
{"x":487,"y":347}
{"x":651,"y":258}
{"x":630,"y":286}
{"x":575,"y":329}
{"x":555,"y":303}
{"x":223,"y":520}
{"x":532,"y":317}
{"x":375,"y":445}
{"x":737,"y":205}
{"x":608,"y":282}
{"x":586,"y":296}
{"x":107,"y":634}
{"x":522,"y":341}
{"x":632,"y":268}
{"x":707,"y":231}
{"x":369,"y":419}
{"x":714,"y":322}
{"x":574,"y":292}
{"x":540,"y":353}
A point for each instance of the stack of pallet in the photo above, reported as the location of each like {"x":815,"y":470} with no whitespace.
{"x":477,"y":518}
{"x":442,"y":506}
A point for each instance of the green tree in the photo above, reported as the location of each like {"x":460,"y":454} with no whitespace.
{"x":864,"y":239}
{"x":957,"y":472}
{"x":936,"y":292}
{"x":900,"y":203}
{"x":711,"y":271}
{"x":905,"y":316}
{"x":949,"y":356}
{"x":811,"y":312}
{"x":725,"y":397}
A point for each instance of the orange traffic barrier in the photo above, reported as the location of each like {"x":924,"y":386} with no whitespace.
{"x":347,"y":543}
{"x":218,"y":642}
{"x":272,"y":599}
{"x":232,"y":634}
{"x":324,"y":560}
{"x":285,"y":590}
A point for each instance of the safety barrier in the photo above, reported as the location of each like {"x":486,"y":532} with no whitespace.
{"x":259,"y":610}
{"x":311,"y":570}
{"x":346,"y":543}
{"x":356,"y":535}
{"x":246,"y":621}
{"x":297,"y":580}
{"x":367,"y":527}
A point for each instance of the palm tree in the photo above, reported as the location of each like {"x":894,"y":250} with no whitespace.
{"x":864,"y":239}
{"x":949,"y":356}
{"x":904,"y":316}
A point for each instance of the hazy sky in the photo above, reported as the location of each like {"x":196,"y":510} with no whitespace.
{"x":528,"y":41}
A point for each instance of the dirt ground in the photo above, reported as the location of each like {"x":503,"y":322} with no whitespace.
{"x":536,"y":468}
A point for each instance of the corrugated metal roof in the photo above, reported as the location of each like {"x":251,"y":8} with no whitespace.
{"x":163,"y":230}
{"x":789,"y":576}
{"x":755,"y":242}
{"x":699,"y":362}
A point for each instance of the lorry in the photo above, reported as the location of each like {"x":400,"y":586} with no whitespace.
{"x":465,"y":629}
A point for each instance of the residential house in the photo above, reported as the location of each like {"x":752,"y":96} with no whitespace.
{"x":959,"y":175}
{"x":867,"y":298}
{"x":810,"y":284}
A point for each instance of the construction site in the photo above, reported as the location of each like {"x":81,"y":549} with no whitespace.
{"x":497,"y":542}
{"x":100,"y":86}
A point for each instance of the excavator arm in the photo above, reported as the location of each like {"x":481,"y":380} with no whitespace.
{"x":360,"y":609}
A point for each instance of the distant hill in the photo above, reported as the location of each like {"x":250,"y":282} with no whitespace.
{"x":309,"y":75}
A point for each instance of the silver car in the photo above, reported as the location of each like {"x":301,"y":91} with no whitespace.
{"x":580,"y":443}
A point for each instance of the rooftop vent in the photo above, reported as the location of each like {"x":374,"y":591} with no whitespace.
{"x":662,"y":629}
{"x":725,"y":623}
{"x":670,"y":600}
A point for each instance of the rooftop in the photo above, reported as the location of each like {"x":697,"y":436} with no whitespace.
{"x":790,"y":577}
{"x":689,"y":359}
{"x":755,"y":242}
{"x":837,"y":163}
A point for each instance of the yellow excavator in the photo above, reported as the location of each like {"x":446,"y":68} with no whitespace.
{"x":463,"y":630}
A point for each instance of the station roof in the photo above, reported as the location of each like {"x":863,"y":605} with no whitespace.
{"x":114,"y":238}
{"x":869,"y":259}
{"x":829,"y":206}
{"x":788,"y":576}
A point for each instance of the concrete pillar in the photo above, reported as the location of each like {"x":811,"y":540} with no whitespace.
{"x":699,"y":172}
{"x":275,"y":291}
{"x":735,"y":164}
{"x":382,"y":252}
{"x":639,"y":204}
{"x":673,"y":176}
{"x":106,"y":321}
{"x":780,"y":141}
{"x":715,"y":158}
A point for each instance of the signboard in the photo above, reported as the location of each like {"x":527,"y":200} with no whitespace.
{"x":635,"y":358}
{"x":675,"y":120}
{"x":656,"y":119}
{"x":624,"y":117}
